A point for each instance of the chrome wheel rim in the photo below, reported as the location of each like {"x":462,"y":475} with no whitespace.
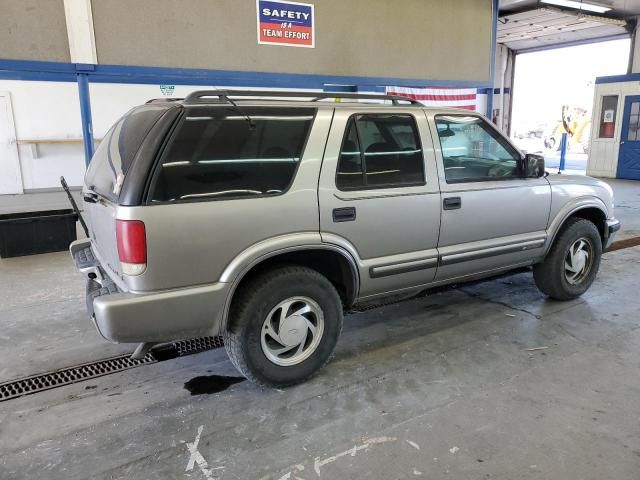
{"x":577,"y":262}
{"x":292,"y":331}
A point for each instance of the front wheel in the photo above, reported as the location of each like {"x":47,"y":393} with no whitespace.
{"x":284,"y":326}
{"x":572,"y":263}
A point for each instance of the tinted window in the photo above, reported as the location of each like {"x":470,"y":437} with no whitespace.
{"x":218,"y":153}
{"x":380,"y":151}
{"x":474,"y":151}
{"x":116,"y":151}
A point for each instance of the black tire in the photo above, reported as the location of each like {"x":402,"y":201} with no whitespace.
{"x":252,"y":306}
{"x":550,"y":275}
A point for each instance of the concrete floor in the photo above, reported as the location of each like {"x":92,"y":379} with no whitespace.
{"x":441,"y":387}
{"x":444,"y":386}
{"x":627,"y":206}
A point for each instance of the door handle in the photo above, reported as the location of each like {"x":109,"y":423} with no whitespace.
{"x":90,"y":197}
{"x":452,"y":203}
{"x":346,"y":214}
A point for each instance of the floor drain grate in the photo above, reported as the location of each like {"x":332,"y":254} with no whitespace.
{"x":195,"y":345}
{"x":79,"y":373}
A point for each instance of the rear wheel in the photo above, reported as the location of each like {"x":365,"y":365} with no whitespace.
{"x":284,"y":326}
{"x":572,"y":263}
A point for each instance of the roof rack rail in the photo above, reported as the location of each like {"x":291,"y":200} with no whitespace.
{"x":205,"y":96}
{"x":164,"y":100}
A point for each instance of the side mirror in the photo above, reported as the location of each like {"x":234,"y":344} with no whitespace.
{"x":534,"y":166}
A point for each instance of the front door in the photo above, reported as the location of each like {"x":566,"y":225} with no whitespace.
{"x":10,"y":175}
{"x":629,"y":156}
{"x":492,"y":216}
{"x":379,"y":196}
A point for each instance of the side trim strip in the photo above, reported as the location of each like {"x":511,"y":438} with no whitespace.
{"x":405,"y":267}
{"x":384,"y":195}
{"x":490,"y":252}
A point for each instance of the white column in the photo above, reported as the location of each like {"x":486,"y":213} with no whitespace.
{"x":502,"y":101}
{"x":82,"y":40}
{"x":634,"y":50}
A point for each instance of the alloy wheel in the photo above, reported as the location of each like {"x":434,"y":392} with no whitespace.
{"x":578,"y":261}
{"x":292,"y":331}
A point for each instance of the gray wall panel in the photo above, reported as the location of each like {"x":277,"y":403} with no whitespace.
{"x":426,"y":39}
{"x":33,"y":30}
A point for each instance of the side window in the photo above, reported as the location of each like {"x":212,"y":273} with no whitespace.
{"x":115,"y":154}
{"x":473,"y":151}
{"x":633,"y":129}
{"x":380,"y":151}
{"x":218,"y":153}
{"x":608,"y":116}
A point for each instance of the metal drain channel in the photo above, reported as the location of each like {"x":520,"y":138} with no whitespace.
{"x":86,"y":371}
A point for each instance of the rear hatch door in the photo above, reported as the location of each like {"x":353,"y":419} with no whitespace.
{"x":105,"y":177}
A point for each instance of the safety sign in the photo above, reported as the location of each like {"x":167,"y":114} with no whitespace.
{"x":286,"y":23}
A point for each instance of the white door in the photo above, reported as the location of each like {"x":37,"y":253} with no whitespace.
{"x":10,"y":175}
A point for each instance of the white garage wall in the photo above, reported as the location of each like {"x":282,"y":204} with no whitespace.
{"x":109,"y":101}
{"x":48,"y":124}
{"x":44,"y":110}
{"x":46,"y":114}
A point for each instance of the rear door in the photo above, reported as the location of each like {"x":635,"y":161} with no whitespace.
{"x":379,"y":196}
{"x":492,"y":216}
{"x":231,"y":183}
{"x":105,"y":177}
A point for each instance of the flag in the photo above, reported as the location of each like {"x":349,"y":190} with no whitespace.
{"x":439,"y":97}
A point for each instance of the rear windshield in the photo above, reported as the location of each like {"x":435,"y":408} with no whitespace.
{"x":224,"y":152}
{"x":116,"y":151}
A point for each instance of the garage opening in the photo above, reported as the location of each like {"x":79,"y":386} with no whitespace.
{"x":547,"y":81}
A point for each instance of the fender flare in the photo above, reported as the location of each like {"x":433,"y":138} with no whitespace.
{"x":567,"y":211}
{"x":248,"y":259}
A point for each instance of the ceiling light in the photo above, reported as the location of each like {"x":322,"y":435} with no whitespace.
{"x":589,"y":7}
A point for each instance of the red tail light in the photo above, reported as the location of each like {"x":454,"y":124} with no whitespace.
{"x":132,"y":246}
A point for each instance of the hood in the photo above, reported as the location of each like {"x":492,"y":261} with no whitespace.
{"x":563,"y":179}
{"x":582,"y":185}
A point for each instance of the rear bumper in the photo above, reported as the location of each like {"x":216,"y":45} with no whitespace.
{"x":125,"y":317}
{"x":613,"y":225}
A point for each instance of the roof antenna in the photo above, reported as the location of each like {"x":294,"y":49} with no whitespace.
{"x":252,"y":125}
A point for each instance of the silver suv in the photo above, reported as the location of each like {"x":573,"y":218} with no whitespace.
{"x":262,"y":216}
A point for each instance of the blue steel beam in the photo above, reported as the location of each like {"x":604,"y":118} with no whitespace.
{"x":65,"y":72}
{"x":85,"y":113}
